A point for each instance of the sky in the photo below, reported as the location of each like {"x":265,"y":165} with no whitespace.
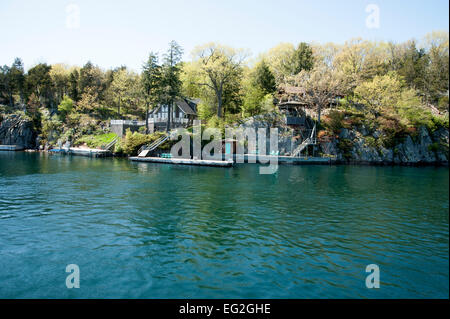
{"x":113,"y":33}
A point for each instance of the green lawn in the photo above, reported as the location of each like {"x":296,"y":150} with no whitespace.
{"x":96,"y":141}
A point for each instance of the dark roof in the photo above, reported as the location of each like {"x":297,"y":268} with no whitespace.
{"x":287,"y":104}
{"x":182,"y":104}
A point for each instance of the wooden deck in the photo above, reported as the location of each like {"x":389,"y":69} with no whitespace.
{"x":182,"y":161}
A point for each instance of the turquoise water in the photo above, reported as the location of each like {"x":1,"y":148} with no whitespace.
{"x":142,"y":230}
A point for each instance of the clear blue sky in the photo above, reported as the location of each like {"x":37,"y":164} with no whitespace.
{"x":113,"y":33}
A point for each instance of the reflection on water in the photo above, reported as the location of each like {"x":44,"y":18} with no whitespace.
{"x":141,"y":230}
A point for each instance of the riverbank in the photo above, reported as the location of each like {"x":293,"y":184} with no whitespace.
{"x":353,"y":144}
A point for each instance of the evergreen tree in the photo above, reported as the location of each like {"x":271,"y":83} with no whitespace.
{"x":264,"y":78}
{"x":171,"y":82}
{"x":151,"y":82}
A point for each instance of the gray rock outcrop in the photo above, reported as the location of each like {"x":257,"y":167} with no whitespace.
{"x":15,"y":130}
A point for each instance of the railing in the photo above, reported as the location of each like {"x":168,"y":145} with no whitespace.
{"x":128,"y":122}
{"x":308,"y":141}
{"x":164,"y":120}
{"x":111,"y":144}
{"x":144,"y":150}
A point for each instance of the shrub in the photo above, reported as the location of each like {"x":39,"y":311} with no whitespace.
{"x":434,"y":147}
{"x":134,"y":141}
{"x":370,"y":141}
{"x":443,"y":103}
{"x":65,"y":107}
{"x":394,"y":131}
{"x":345,"y":145}
{"x":334,"y":121}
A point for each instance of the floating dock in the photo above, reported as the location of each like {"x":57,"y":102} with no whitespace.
{"x":11,"y":148}
{"x":182,"y":161}
{"x":90,"y":152}
{"x":258,"y":159}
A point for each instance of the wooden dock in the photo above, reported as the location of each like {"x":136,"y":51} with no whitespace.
{"x":182,"y":161}
{"x":12,"y":148}
{"x":257,"y":159}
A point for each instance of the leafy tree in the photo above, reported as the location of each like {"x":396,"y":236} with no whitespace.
{"x":219,"y":66}
{"x":89,"y":101}
{"x":321,"y":86}
{"x":65,"y":107}
{"x":119,"y":87}
{"x":59,"y":74}
{"x":437,"y":73}
{"x":380,"y":94}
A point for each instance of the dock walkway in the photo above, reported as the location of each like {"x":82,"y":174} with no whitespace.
{"x":90,"y":152}
{"x":182,"y":161}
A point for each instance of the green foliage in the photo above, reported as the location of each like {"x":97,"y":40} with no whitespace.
{"x":370,"y":141}
{"x":443,"y":104}
{"x":334,"y":121}
{"x":393,"y":130}
{"x":264,"y":78}
{"x":380,"y":94}
{"x":346,"y":146}
{"x":387,"y":86}
{"x":96,"y":141}
{"x":132,"y":142}
{"x":51,"y":128}
{"x":65,"y":107}
{"x":434,"y":147}
{"x":302,"y":59}
{"x":253,"y":101}
{"x":219,"y":69}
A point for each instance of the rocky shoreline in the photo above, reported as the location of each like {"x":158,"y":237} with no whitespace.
{"x":350,"y":146}
{"x":360,"y":146}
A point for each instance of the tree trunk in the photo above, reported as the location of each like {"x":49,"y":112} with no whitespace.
{"x":219,"y":107}
{"x":146,"y":118}
{"x":318,"y":114}
{"x":118,"y":107}
{"x":11,"y":101}
{"x":169,"y":111}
